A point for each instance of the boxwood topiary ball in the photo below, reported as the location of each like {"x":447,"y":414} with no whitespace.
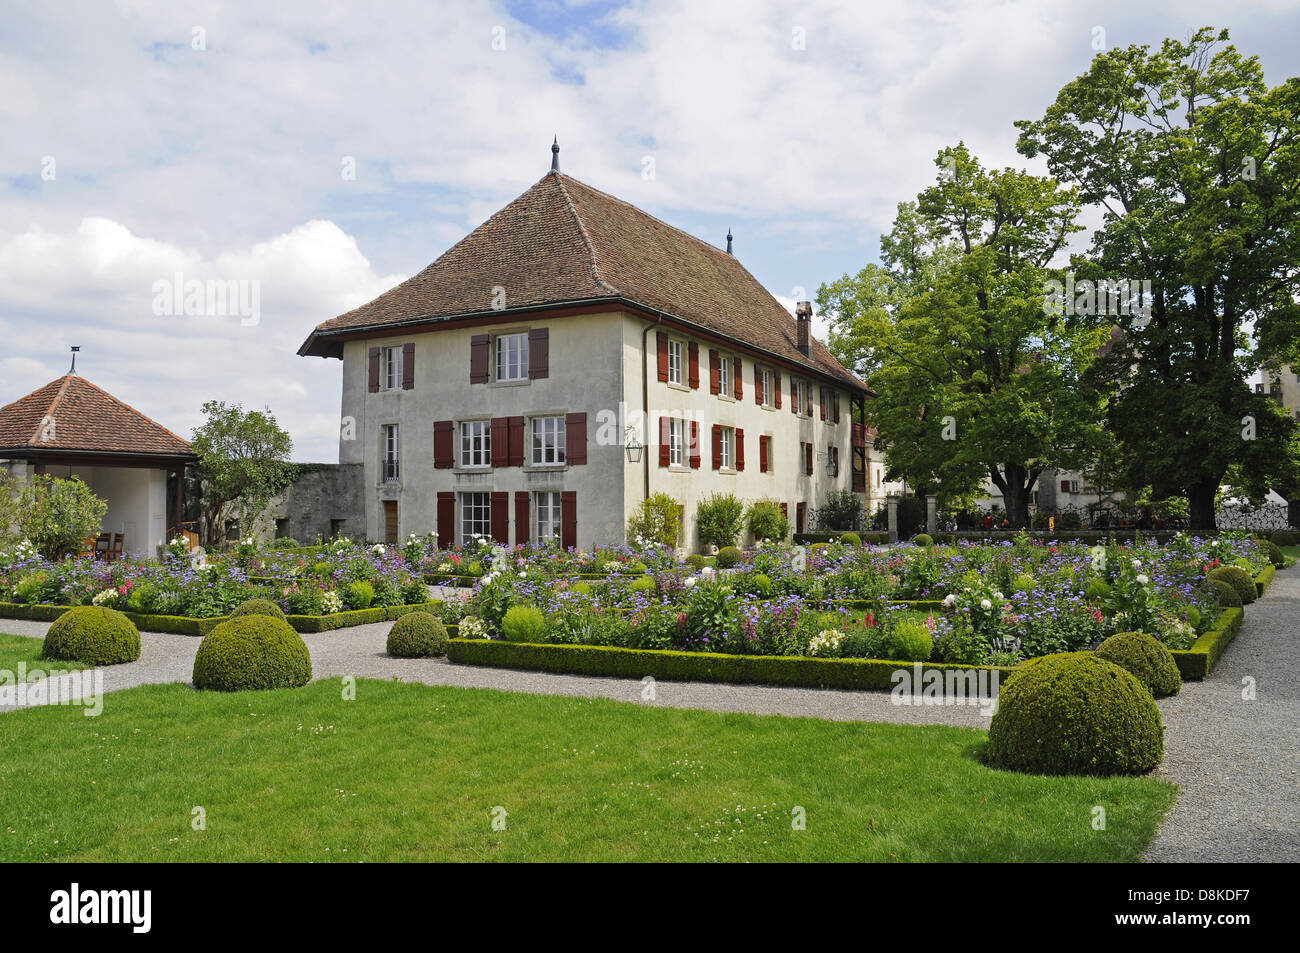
{"x":1147,"y":658}
{"x":417,"y":635}
{"x":92,"y":635}
{"x":910,"y":641}
{"x":1075,"y":713}
{"x":1225,"y":594}
{"x":851,"y":539}
{"x":257,"y":607}
{"x":252,"y":652}
{"x":1238,"y":578}
{"x":727,"y":557}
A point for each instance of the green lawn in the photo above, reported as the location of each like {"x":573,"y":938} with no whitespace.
{"x":1292,"y":553}
{"x":20,"y":648}
{"x":412,"y":772}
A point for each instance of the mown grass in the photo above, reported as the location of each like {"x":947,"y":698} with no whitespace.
{"x":413,"y":772}
{"x":21,"y":648}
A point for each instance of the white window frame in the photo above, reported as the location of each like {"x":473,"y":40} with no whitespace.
{"x":727,"y":448}
{"x":833,"y":461}
{"x":547,"y":516}
{"x":391,"y":436}
{"x":676,"y":442}
{"x":801,"y":398}
{"x":510,"y":356}
{"x":539,"y":448}
{"x":676,"y":360}
{"x":475,"y":441}
{"x":768,"y":396}
{"x":390,"y":367}
{"x":472,"y":507}
{"x":726,"y":378}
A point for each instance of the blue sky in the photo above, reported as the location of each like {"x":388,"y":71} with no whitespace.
{"x":146,"y":138}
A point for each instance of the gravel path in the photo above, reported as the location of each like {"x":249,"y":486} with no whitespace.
{"x":1237,"y":761}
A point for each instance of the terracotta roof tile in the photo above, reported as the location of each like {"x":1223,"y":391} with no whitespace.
{"x":83,"y":417}
{"x":563,"y":242}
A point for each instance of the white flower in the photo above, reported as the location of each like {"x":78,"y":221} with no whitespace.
{"x":1143,"y":579}
{"x":825,"y":642}
{"x":690,"y":582}
{"x":985,"y":604}
{"x":1137,"y":564}
{"x":331,"y":602}
{"x":950,"y":600}
{"x":998,"y":595}
{"x":471,"y":628}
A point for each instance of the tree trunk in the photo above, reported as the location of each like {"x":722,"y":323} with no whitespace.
{"x":1200,"y":504}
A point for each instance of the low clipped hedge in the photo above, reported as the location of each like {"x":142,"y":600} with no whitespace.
{"x":185,"y":625}
{"x":1199,"y":661}
{"x":92,"y":635}
{"x":1264,"y":579}
{"x":1075,"y":713}
{"x":602,"y":660}
{"x":417,"y":635}
{"x":258,"y":607}
{"x":252,"y":652}
{"x":837,"y":536}
{"x":1224,"y":594}
{"x":1146,"y":658}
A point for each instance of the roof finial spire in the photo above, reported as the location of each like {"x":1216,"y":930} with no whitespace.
{"x":555,"y":154}
{"x":729,"y":241}
{"x":73,"y":369}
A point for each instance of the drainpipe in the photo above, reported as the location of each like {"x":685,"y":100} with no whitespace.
{"x":645,"y":400}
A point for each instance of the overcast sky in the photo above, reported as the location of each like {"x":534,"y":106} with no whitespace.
{"x":142,"y":140}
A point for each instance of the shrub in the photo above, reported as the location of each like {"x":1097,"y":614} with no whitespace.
{"x":719,"y":519}
{"x":841,"y":510}
{"x":1275,"y":555}
{"x":1225,"y":594}
{"x":93,"y":635}
{"x":851,"y":539}
{"x":360,"y":595}
{"x":766,"y":521}
{"x":1024,"y":583}
{"x":923,"y":539}
{"x":1238,"y":578}
{"x":727,"y":557}
{"x":417,"y":635}
{"x":284,"y":542}
{"x":659,"y":521}
{"x":644,"y":584}
{"x":1286,"y":537}
{"x":257,"y":607}
{"x":252,"y":652}
{"x":696,"y":561}
{"x":1098,"y":591}
{"x":1146,"y":658}
{"x":524,"y":624}
{"x":760,"y":584}
{"x":910,"y":641}
{"x":1075,"y":713}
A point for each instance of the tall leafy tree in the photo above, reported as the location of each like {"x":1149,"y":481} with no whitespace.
{"x":243,"y":462}
{"x":1195,"y":164}
{"x":57,"y":515}
{"x":976,"y":376}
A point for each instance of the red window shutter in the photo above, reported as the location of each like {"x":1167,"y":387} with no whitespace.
{"x":715,"y":372}
{"x":758,"y":385}
{"x":446,"y":520}
{"x":500,"y":442}
{"x":835,"y":405}
{"x":794,"y":396}
{"x":693,"y":370}
{"x":737,"y":381}
{"x":808,"y":400}
{"x":516,"y":428}
{"x":522,"y":519}
{"x":569,"y":519}
{"x":821,"y":401}
{"x":662,"y":339}
{"x":695,"y":444}
{"x":740,"y":449}
{"x":762,"y":454}
{"x":717,"y":446}
{"x":808,"y":458}
{"x":501,"y":518}
{"x":785,"y":510}
{"x":776,"y":389}
{"x":372,"y":370}
{"x":1065,"y":486}
{"x":443,"y":453}
{"x":408,"y":366}
{"x":539,"y":353}
{"x":575,"y":438}
{"x":665,"y":425}
{"x":479,"y":346}
{"x":800,"y":516}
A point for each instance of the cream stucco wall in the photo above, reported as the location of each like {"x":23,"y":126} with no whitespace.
{"x":595,"y":367}
{"x":136,"y":497}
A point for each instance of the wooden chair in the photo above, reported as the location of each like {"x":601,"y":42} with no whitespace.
{"x":116,"y":547}
{"x":102,"y":543}
{"x":88,"y":547}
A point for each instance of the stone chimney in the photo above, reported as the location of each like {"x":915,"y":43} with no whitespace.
{"x":803,"y":319}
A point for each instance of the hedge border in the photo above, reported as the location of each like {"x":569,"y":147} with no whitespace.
{"x":1264,"y":579}
{"x":614,"y":662}
{"x":185,"y":625}
{"x":1199,"y":661}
